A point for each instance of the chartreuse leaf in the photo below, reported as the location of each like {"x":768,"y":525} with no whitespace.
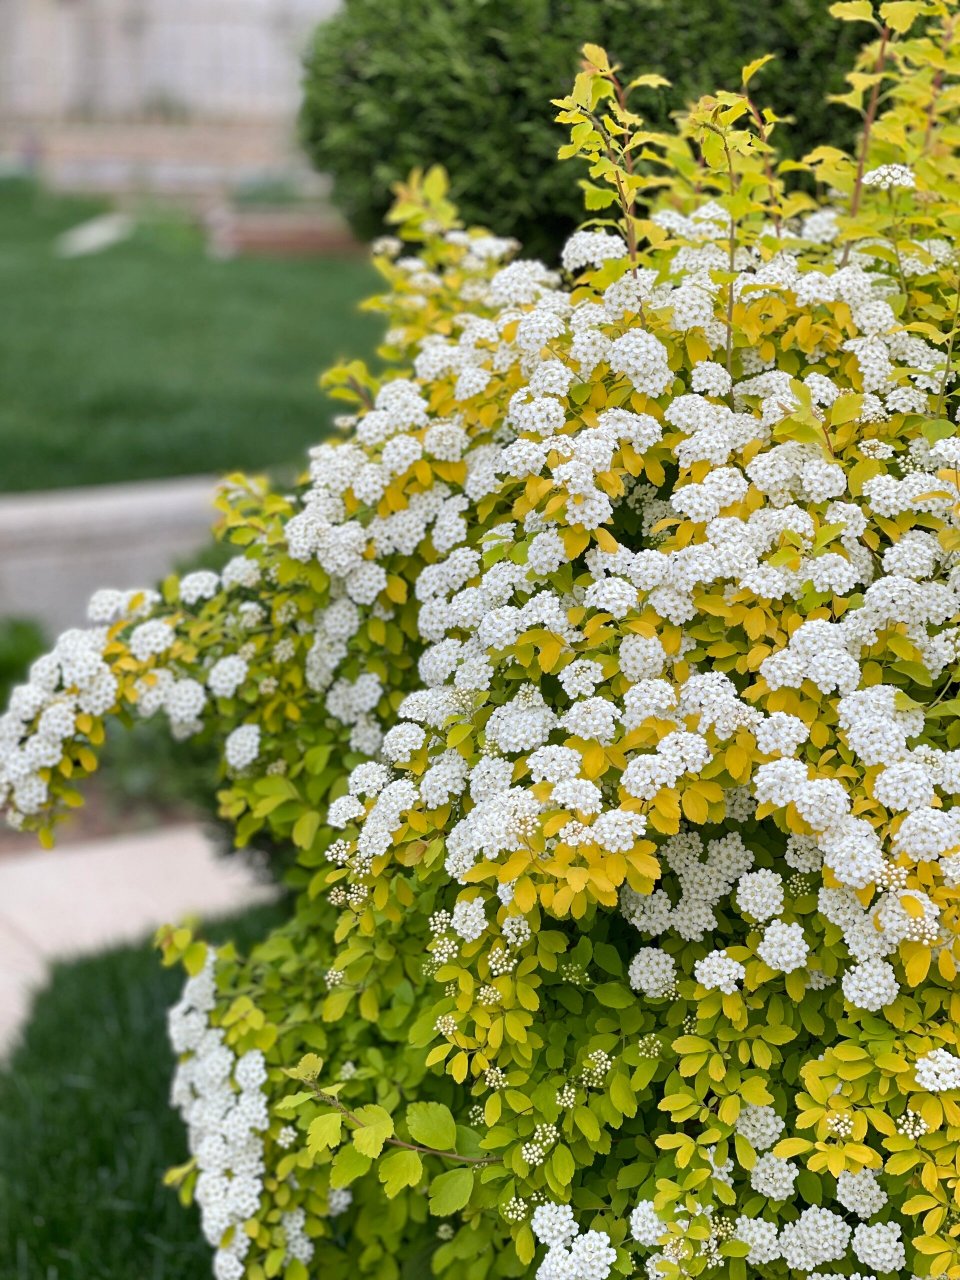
{"x":348,"y":1165}
{"x":751,"y":69}
{"x":399,"y":1169}
{"x":376,"y":1126}
{"x":432,"y":1125}
{"x":853,"y":11}
{"x":324,"y":1132}
{"x":450,"y":1191}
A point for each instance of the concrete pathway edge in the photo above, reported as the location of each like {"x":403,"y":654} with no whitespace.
{"x":89,"y":897}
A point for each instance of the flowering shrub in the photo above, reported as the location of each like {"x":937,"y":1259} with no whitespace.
{"x":605,"y":679}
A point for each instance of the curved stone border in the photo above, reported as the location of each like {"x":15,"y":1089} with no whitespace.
{"x":58,"y":547}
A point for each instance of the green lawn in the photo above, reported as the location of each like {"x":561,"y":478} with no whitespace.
{"x":150,"y":359}
{"x":86,"y":1131}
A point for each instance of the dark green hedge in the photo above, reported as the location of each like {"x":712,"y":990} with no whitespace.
{"x":391,"y":84}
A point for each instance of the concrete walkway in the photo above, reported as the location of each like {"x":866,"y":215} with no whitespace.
{"x":88,"y":897}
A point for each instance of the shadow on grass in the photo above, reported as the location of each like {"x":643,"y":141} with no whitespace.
{"x":86,"y":1131}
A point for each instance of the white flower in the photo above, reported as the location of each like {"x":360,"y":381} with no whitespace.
{"x":718,"y":971}
{"x":889,"y":176}
{"x":773,"y":1177}
{"x":783,"y":947}
{"x":760,"y":1125}
{"x":880,"y":1247}
{"x":242,"y":746}
{"x":653,"y":972}
{"x":469,"y":919}
{"x":646,"y":1225}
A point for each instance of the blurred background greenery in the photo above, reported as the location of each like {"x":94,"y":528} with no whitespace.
{"x":154,"y":359}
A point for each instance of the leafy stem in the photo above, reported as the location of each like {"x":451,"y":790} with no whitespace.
{"x":946,"y":366}
{"x":357,"y":1123}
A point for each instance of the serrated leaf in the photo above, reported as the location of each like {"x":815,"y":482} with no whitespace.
{"x":376,"y":1127}
{"x":900,"y":15}
{"x":853,"y":11}
{"x":348,"y":1165}
{"x":398,"y":1170}
{"x":308,"y":1068}
{"x":324,"y":1132}
{"x":650,"y":81}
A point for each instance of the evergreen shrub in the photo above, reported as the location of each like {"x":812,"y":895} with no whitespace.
{"x":391,"y":85}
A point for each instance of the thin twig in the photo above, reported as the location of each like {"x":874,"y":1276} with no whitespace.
{"x":767,"y":166}
{"x":937,"y":85}
{"x":868,"y":123}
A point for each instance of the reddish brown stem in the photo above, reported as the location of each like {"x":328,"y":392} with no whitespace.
{"x":398,"y":1142}
{"x":936,"y":86}
{"x":868,"y":122}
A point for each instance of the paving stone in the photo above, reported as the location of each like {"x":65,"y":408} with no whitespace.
{"x":75,"y":901}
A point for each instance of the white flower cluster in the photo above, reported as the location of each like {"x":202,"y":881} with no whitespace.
{"x":570,"y":1255}
{"x":222,"y":1102}
{"x":72,"y":680}
{"x":938,"y":1071}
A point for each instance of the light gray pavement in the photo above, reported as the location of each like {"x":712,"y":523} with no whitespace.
{"x":61,"y":546}
{"x":84,"y":898}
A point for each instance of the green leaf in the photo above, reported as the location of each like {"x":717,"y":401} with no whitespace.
{"x":376,"y":1128}
{"x":564,"y":1165}
{"x":614,"y":995}
{"x":587,"y":1123}
{"x":621,"y":1094}
{"x":398,"y":1170}
{"x":450,"y":1191}
{"x":432,"y":1125}
{"x":294,"y":1100}
{"x":306,"y":828}
{"x":324,"y":1132}
{"x":348,"y":1165}
{"x":938,"y":429}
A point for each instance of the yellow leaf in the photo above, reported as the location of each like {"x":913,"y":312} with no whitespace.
{"x":524,"y":894}
{"x":596,"y":55}
{"x":917,"y":967}
{"x":900,"y":15}
{"x":751,"y":69}
{"x":695,"y":807}
{"x":594,"y":760}
{"x":853,"y":11}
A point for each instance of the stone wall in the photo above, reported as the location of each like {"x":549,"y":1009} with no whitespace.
{"x":130,"y":59}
